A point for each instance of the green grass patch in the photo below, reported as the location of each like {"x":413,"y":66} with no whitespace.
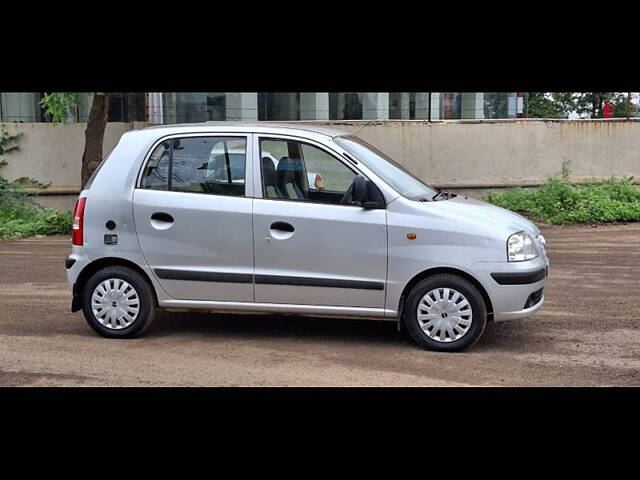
{"x":21,"y":216}
{"x":558,"y":201}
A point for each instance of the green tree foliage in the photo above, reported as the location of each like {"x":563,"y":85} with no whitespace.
{"x":496,"y":105}
{"x":20,"y":215}
{"x":560,"y":104}
{"x":8,"y":143}
{"x":550,"y":104}
{"x":540,"y":105}
{"x":620,"y":106}
{"x":593,"y":102}
{"x":565,"y":102}
{"x":60,"y":106}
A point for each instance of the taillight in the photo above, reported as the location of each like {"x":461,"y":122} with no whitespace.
{"x":78,"y":222}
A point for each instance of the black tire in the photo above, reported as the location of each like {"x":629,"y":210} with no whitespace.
{"x":466,"y":288}
{"x":146,"y":297}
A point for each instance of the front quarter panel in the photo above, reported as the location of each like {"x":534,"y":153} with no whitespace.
{"x":442,"y":241}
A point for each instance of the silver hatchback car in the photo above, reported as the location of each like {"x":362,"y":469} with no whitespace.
{"x":226,"y":217}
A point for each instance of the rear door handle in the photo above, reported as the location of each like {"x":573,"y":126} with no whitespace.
{"x":282,"y":226}
{"x":162,"y":217}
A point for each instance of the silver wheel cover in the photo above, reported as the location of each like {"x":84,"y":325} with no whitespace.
{"x":115,"y":303}
{"x":444,"y":315}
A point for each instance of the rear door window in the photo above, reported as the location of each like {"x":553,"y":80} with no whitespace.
{"x":209,"y":165}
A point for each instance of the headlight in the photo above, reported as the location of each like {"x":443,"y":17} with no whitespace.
{"x":520,"y":247}
{"x":543,"y":244}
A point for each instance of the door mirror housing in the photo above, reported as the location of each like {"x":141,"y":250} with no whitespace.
{"x":365,"y":194}
{"x":359,"y":190}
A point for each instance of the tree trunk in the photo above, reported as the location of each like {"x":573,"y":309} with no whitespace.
{"x":94,"y":135}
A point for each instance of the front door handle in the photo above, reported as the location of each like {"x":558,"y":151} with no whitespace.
{"x":282,"y":226}
{"x":162,"y":217}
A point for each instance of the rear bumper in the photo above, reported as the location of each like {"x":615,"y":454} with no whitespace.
{"x":74,"y":264}
{"x":68,"y":262}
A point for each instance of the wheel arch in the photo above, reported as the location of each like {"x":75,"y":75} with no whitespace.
{"x":437,"y":270}
{"x":99,"y":264}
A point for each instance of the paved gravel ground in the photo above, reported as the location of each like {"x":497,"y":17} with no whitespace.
{"x":586,"y":334}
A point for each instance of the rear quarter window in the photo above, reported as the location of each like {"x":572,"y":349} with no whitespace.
{"x":156,"y":172}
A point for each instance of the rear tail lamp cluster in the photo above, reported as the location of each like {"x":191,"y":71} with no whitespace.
{"x":77,"y":234}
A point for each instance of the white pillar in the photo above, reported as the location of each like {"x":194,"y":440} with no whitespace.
{"x":314,"y":106}
{"x":435,"y":105}
{"x":472,"y":105}
{"x":169,"y":108}
{"x":375,"y":106}
{"x":405,"y":106}
{"x":85,"y":100}
{"x":155,"y":108}
{"x":512,"y":102}
{"x":479,"y":105}
{"x":242,"y":106}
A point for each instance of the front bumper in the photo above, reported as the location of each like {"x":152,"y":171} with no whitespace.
{"x":524,"y":313}
{"x":515,"y":288}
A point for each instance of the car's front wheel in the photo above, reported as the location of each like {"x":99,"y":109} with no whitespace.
{"x":118,"y":302}
{"x":445,"y":312}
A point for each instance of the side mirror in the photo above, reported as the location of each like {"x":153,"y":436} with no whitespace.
{"x":363,"y":193}
{"x":359,"y":191}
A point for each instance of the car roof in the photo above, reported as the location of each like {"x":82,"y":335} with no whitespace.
{"x":291,"y":128}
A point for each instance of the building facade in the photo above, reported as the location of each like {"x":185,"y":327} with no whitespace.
{"x":169,"y":108}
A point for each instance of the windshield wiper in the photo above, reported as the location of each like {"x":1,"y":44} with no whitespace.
{"x":441,"y":193}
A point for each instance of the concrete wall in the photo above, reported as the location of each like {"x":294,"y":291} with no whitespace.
{"x":53,"y":153}
{"x":469,"y":156}
{"x":497,"y":154}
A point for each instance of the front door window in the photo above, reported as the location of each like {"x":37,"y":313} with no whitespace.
{"x":298,"y":171}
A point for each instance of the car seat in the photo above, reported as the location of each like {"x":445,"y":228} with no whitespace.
{"x":289,"y":179}
{"x":269,"y":178}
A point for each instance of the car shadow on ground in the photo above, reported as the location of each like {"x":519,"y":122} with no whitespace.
{"x":273,"y":326}
{"x":253,"y":327}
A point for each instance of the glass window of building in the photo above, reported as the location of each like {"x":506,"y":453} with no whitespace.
{"x":123,"y":107}
{"x":450,"y":105}
{"x":126,"y":107}
{"x":20,"y":107}
{"x":279,"y":106}
{"x":193,"y":107}
{"x":496,"y":105}
{"x":216,"y":106}
{"x":345,"y":106}
{"x":402,"y":106}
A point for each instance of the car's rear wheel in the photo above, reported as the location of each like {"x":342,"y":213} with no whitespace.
{"x":118,"y":302}
{"x":445,"y":313}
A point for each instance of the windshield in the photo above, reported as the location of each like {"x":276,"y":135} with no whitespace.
{"x":393,"y":174}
